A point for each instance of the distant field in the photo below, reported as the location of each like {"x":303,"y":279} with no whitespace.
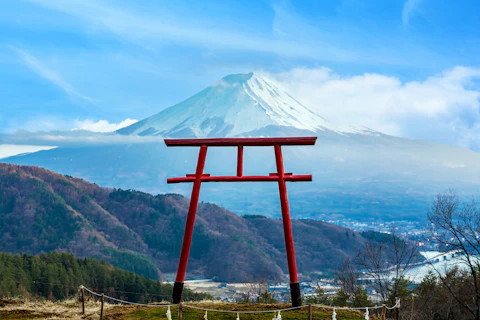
{"x":71,"y":309}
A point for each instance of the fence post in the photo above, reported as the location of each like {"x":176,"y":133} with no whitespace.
{"x":398,"y":308}
{"x":179,"y":311}
{"x":83,"y":299}
{"x":384,"y":312}
{"x":310,"y":315}
{"x":101,"y":310}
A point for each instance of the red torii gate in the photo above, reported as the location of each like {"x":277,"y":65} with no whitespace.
{"x":200,"y":177}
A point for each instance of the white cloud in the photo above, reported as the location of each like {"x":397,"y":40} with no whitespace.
{"x":190,"y":28}
{"x":73,"y":138}
{"x":49,"y":74}
{"x":442,"y":108}
{"x":409,"y":8}
{"x":102,"y":125}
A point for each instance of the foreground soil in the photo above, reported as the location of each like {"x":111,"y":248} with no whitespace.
{"x":71,"y":309}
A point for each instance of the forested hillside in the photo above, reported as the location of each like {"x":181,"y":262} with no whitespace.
{"x":58,"y":276}
{"x":41,"y":211}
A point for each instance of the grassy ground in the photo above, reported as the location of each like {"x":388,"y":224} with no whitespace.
{"x":71,"y":309}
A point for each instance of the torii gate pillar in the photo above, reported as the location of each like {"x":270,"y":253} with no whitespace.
{"x":280,"y":176}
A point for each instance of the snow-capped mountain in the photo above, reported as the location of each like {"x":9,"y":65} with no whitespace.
{"x":237,"y":105}
{"x":357,"y":172}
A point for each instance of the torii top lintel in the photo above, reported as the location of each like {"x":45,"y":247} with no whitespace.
{"x":246,"y":142}
{"x":240,"y":143}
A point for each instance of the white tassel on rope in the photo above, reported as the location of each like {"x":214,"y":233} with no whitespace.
{"x":334,"y":315}
{"x":367,"y":315}
{"x":169,"y":314}
{"x":278,"y":317}
{"x":206,"y":315}
{"x":238,"y":316}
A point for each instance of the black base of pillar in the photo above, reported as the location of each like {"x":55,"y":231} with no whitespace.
{"x":296,"y":295}
{"x":177,"y":292}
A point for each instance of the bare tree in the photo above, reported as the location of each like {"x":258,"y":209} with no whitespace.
{"x":259,"y":291}
{"x":347,"y":275}
{"x":386,"y":263}
{"x":456,"y":227}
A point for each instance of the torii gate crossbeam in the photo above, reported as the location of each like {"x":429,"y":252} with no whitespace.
{"x":280,"y":176}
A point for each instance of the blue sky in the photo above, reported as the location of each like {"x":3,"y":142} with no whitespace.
{"x":68,"y":64}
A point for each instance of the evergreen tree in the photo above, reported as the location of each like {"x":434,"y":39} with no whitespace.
{"x":57,"y":276}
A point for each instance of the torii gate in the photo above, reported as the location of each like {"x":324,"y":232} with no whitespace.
{"x":280,"y":176}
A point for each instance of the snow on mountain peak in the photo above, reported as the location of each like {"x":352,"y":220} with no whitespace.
{"x":237,"y":105}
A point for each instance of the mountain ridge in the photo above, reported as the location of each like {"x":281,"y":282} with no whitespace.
{"x":42,"y":211}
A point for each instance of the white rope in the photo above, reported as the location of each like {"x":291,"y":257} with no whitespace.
{"x":278,"y":316}
{"x":98,"y":295}
{"x":343,"y":308}
{"x":397,"y":304}
{"x":128,"y":302}
{"x":190,"y":306}
{"x":367,"y":315}
{"x":245,"y":312}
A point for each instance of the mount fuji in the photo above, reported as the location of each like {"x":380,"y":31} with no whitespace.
{"x":236,"y":106}
{"x":358,"y":172}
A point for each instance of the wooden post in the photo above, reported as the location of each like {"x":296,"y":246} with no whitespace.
{"x":398,"y":308}
{"x":101,"y":310}
{"x":384,"y":312}
{"x":179,"y":311}
{"x":310,"y":315}
{"x":83,"y":300}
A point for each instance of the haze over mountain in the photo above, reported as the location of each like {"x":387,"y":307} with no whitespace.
{"x":358,"y":173}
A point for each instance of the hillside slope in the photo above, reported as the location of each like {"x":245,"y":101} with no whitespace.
{"x":42,"y":211}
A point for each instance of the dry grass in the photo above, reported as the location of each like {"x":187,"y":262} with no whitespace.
{"x":34,"y":309}
{"x":71,"y":309}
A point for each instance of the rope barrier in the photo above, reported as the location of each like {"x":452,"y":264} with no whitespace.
{"x":397,"y":305}
{"x":242,"y":312}
{"x":128,"y":302}
{"x":320,"y":306}
{"x":367,"y":309}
